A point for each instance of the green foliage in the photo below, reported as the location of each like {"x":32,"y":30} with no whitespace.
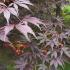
{"x":66,"y":9}
{"x":66,"y":14}
{"x":67,"y":20}
{"x":67,"y":66}
{"x":10,"y":67}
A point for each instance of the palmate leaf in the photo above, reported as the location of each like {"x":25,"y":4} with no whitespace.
{"x":16,"y":8}
{"x":56,"y":62}
{"x":25,"y":29}
{"x":66,"y":51}
{"x":25,"y":62}
{"x":20,"y":64}
{"x":22,"y":26}
{"x":2,"y":7}
{"x":43,"y":38}
{"x":7,"y":10}
{"x":42,"y":66}
{"x":23,"y":3}
{"x":7,"y":15}
{"x":32,"y":20}
{"x":4,"y":32}
{"x":12,"y":8}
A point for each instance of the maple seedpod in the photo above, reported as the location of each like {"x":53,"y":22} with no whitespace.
{"x":23,"y":46}
{"x":18,"y":47}
{"x":19,"y":44}
{"x":18,"y":52}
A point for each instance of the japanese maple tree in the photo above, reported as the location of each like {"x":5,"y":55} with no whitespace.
{"x":44,"y":51}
